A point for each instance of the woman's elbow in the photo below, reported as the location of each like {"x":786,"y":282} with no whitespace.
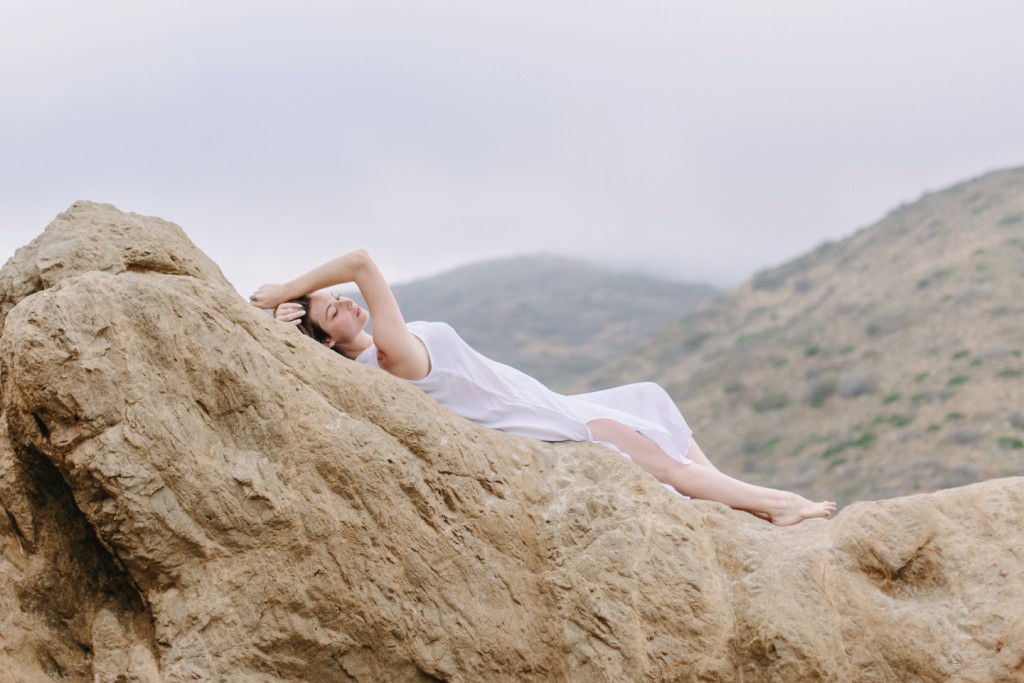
{"x":359,"y":259}
{"x":361,"y":269}
{"x":360,"y":256}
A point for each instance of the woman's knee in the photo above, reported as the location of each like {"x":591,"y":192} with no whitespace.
{"x":641,"y":450}
{"x":606,"y":429}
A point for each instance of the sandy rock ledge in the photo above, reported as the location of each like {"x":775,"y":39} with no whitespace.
{"x":194,"y":492}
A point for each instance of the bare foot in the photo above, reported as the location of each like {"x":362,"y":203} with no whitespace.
{"x":795,"y":509}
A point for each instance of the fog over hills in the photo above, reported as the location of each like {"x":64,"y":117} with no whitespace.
{"x":887,"y":363}
{"x":554,"y":318}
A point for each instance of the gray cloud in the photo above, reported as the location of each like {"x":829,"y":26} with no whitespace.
{"x":694,"y":141}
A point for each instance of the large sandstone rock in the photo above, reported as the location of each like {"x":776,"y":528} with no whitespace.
{"x":195,"y":492}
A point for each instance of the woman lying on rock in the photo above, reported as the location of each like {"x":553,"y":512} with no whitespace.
{"x":639,"y":420}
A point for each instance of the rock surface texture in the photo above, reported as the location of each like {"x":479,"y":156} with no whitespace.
{"x":195,"y":492}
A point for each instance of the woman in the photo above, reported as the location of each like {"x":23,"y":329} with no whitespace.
{"x":639,"y":420}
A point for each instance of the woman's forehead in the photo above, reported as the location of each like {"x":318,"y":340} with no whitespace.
{"x":318,"y":303}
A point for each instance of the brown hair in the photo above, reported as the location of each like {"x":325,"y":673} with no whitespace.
{"x":307,"y":326}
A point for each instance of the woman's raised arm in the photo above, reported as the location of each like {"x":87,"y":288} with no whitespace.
{"x":335,"y":272}
{"x":399,"y":352}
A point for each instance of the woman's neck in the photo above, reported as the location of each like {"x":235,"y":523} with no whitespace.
{"x":356,"y":346}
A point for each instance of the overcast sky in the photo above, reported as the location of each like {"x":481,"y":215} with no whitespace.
{"x":692,"y":140}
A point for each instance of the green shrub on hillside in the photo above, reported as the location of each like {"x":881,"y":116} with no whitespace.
{"x":898,"y":420}
{"x":834,"y":464}
{"x":821,"y":390}
{"x":770,"y":400}
{"x":734,"y":387}
{"x":855,"y":384}
{"x":695,"y":341}
{"x":886,"y":324}
{"x":965,"y":435}
{"x":864,"y":440}
{"x":751,"y":336}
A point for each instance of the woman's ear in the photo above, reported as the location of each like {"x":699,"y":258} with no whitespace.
{"x":329,"y":343}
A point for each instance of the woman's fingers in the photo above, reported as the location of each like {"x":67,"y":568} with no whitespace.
{"x":289,"y":313}
{"x":268,"y":296}
{"x":258,"y":298}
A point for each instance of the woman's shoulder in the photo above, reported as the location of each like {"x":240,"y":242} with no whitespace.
{"x":431,"y":327}
{"x":439,"y":337}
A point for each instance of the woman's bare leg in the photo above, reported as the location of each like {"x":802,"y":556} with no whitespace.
{"x":697,"y":455}
{"x":703,"y":481}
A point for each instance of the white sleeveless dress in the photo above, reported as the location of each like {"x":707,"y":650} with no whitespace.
{"x":498,"y":396}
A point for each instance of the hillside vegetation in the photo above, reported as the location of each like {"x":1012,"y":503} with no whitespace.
{"x":888,"y":363}
{"x":554,"y":318}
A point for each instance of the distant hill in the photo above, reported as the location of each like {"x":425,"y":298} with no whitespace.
{"x":888,"y":363}
{"x":555,"y":318}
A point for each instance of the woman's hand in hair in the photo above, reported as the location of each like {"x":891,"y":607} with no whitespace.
{"x":289,"y":312}
{"x":270,"y":296}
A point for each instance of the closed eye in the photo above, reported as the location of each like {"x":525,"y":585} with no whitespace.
{"x":327,"y":312}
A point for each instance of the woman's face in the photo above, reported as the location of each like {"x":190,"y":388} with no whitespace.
{"x":339,"y":317}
